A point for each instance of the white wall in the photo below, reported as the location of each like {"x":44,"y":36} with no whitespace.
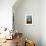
{"x":43,"y":22}
{"x":6,"y":13}
{"x":30,"y":31}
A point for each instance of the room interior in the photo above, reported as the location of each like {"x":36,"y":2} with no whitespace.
{"x":23,"y":23}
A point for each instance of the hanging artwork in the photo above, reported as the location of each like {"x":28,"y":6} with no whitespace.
{"x":28,"y":19}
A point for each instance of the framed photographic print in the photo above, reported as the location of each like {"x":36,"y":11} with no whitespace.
{"x":28,"y":20}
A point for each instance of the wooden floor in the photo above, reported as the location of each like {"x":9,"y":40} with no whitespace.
{"x":12,"y":42}
{"x":9,"y":43}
